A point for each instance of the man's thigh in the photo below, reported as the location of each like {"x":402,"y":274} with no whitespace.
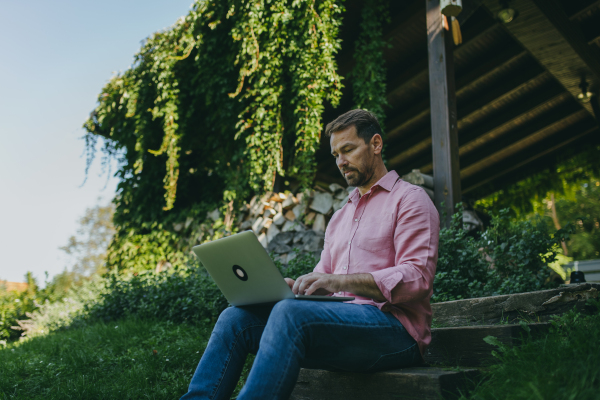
{"x":348,"y":337}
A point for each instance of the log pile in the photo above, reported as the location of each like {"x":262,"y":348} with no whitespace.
{"x":418,"y":178}
{"x":287,"y":221}
{"x":284,"y":221}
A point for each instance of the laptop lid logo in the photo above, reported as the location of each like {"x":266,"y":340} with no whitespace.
{"x":240,"y":273}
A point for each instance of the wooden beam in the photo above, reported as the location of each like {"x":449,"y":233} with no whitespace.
{"x":513,"y":170}
{"x":556,"y":42}
{"x":415,"y":80}
{"x":523,"y":143}
{"x":444,"y":129}
{"x":514,"y":123}
{"x":584,"y":10}
{"x":512,"y":86}
{"x":557,"y":108}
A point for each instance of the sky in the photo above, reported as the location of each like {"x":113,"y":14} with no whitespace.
{"x":55,"y":57}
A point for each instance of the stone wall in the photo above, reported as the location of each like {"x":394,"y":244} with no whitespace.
{"x":283,"y":222}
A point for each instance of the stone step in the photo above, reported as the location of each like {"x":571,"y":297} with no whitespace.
{"x":464,"y":346}
{"x":536,"y":306}
{"x":418,"y":383}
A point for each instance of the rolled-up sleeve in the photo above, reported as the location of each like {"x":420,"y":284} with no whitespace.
{"x":416,"y":237}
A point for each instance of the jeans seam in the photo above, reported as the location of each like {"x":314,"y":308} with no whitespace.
{"x":229,"y":358}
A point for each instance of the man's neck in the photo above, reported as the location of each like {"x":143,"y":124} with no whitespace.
{"x":380,"y":172}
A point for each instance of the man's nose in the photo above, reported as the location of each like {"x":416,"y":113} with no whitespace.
{"x":341,"y":161}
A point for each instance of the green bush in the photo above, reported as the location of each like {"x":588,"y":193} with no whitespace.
{"x":52,"y":315}
{"x":17,"y":305}
{"x":509,"y":257}
{"x":560,"y":365}
{"x":185,"y":294}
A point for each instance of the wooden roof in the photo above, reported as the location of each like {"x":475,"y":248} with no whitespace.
{"x":516,"y":88}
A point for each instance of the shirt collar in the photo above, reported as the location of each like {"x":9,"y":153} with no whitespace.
{"x":387,"y":182}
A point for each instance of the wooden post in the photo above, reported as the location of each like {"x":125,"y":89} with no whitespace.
{"x":444,"y":131}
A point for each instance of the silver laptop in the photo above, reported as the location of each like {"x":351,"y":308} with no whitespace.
{"x":243,"y":270}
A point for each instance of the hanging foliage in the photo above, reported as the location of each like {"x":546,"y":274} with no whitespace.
{"x":369,"y":72}
{"x":214,"y":108}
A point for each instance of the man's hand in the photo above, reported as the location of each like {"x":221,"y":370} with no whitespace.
{"x":323,"y":284}
{"x":317,"y":283}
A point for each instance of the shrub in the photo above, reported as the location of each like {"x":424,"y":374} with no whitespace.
{"x":510,"y":257}
{"x":61,"y":313}
{"x":184,"y":294}
{"x":559,"y":365}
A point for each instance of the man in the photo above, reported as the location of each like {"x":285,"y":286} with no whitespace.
{"x":381,"y":247}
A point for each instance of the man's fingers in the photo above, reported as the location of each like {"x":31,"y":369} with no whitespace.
{"x":290,"y":282}
{"x":296,"y":284}
{"x":305,"y":281}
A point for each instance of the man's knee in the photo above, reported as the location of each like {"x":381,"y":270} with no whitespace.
{"x":286,"y":307}
{"x":289,"y":313}
{"x":231,"y":317}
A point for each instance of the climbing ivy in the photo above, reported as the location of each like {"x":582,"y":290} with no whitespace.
{"x":369,"y":73}
{"x":214,"y":107}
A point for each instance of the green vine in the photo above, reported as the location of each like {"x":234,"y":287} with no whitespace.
{"x":214,"y":108}
{"x":369,"y":72}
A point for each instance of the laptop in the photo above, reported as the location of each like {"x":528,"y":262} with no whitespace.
{"x":243,"y":270}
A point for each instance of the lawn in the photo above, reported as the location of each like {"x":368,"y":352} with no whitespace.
{"x":129,"y":359}
{"x":141,"y":359}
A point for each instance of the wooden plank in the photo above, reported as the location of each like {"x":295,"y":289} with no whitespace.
{"x":506,"y":135}
{"x":515,"y":86}
{"x":532,"y":161}
{"x":511,"y":308}
{"x":444,"y":128}
{"x":512,"y":121}
{"x":555,"y":41}
{"x":464,"y":346}
{"x":418,"y":383}
{"x":416,"y":78}
{"x":523,"y":143}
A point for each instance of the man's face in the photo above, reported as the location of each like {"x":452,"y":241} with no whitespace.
{"x":354,"y":158}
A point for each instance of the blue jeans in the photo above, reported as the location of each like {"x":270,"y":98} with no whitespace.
{"x":294,"y":334}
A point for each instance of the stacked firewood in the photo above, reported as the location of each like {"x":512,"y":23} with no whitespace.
{"x":286,"y":221}
{"x":418,"y":178}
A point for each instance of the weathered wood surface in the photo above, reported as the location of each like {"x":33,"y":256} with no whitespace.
{"x":535,"y":306}
{"x":464,"y":346}
{"x":555,"y":41}
{"x":419,"y":383}
{"x":444,"y":127}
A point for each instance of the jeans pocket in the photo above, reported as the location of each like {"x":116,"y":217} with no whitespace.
{"x":400,"y":359}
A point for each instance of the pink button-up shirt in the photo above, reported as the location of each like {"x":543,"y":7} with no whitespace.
{"x":392,"y":233}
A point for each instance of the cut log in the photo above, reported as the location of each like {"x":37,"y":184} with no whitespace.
{"x":465,"y":346}
{"x":418,"y":383}
{"x":514,"y":307}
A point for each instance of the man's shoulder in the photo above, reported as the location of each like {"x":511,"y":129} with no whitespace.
{"x":404,"y":189}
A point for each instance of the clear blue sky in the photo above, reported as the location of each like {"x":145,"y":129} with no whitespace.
{"x":56,"y":55}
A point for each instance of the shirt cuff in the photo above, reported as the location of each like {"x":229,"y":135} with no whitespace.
{"x":386,"y":281}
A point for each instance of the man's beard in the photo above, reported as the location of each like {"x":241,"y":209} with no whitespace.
{"x":358,"y":178}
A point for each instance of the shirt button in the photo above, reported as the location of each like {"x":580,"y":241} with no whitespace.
{"x":348,"y":243}
{"x":345,"y":268}
{"x":356,"y":220}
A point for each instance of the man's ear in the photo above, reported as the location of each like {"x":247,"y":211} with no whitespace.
{"x":377,"y":143}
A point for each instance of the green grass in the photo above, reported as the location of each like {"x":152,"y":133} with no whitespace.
{"x":105,"y":361}
{"x":117,"y":361}
{"x":565,"y":364}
